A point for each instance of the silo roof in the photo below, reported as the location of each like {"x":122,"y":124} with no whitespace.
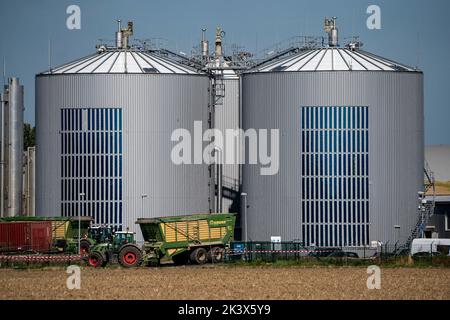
{"x":123,"y":61}
{"x":332,"y":59}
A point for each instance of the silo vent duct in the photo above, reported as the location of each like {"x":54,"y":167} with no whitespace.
{"x":331,"y":28}
{"x":122,"y":35}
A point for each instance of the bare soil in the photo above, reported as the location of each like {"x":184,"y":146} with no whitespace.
{"x":226,"y":282}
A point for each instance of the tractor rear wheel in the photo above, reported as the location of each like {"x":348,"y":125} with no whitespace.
{"x":96,"y":260}
{"x":216,"y":255}
{"x":198,"y":256}
{"x":130,"y":257}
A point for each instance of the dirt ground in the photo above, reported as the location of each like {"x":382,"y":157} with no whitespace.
{"x":226,"y":282}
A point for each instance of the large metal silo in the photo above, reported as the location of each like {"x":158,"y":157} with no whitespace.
{"x":351,"y":147}
{"x":104,"y":126}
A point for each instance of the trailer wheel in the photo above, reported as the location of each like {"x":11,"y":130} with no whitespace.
{"x":96,"y":260}
{"x":130,"y":257}
{"x":84,"y":247}
{"x":180,"y":259}
{"x":216,"y":255}
{"x":198,"y":256}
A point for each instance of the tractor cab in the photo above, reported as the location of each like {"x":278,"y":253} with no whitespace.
{"x":123,"y":237}
{"x":101,"y":234}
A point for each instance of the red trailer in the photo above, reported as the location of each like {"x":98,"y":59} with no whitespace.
{"x":29,"y":236}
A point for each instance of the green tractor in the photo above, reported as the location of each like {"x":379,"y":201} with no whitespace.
{"x":122,"y":249}
{"x":95,"y":235}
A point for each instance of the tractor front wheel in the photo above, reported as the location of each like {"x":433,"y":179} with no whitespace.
{"x":130,"y":257}
{"x":96,"y":260}
{"x":198,"y":256}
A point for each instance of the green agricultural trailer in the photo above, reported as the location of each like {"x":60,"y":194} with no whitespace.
{"x":63,"y":234}
{"x":59,"y":234}
{"x":197,"y":239}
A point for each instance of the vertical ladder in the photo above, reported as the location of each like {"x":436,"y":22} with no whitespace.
{"x":218,"y":87}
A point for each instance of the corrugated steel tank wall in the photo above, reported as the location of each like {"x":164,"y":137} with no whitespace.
{"x":227,"y":117}
{"x":153,"y":105}
{"x":396,"y":145}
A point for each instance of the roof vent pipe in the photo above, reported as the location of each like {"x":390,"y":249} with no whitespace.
{"x":204,"y":45}
{"x":331,"y":28}
{"x":119,"y":35}
{"x":122,"y":35}
{"x":219,"y":35}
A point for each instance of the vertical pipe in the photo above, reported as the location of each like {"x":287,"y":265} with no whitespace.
{"x":241,"y":151}
{"x":15,"y":161}
{"x":219,"y":168}
{"x":119,"y":35}
{"x":218,"y":43}
{"x":2,"y":155}
{"x":212,"y":176}
{"x":29,"y":182}
{"x":204,"y":47}
{"x":244,"y":210}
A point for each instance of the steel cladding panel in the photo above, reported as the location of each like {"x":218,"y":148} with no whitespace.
{"x":153,"y":105}
{"x":14,"y":236}
{"x":396,"y":146}
{"x":41,"y":236}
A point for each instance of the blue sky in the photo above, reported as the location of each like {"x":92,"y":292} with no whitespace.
{"x":412,"y":32}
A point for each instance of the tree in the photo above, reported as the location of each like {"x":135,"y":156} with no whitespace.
{"x":29,"y":136}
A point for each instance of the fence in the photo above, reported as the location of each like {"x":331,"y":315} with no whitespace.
{"x":296,"y":251}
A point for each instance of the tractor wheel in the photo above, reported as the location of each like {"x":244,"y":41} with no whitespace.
{"x":84,"y":247}
{"x":198,"y":256}
{"x":96,"y":260}
{"x":216,"y":255}
{"x":130,"y":257}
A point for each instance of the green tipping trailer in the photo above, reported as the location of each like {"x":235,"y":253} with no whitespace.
{"x":198,"y":238}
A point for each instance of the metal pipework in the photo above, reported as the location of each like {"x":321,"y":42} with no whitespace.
{"x":330,"y":27}
{"x":204,"y":45}
{"x":244,"y":212}
{"x":12,"y":148}
{"x":219,"y":169}
{"x":218,"y":44}
{"x":4,"y":101}
{"x":29,"y":182}
{"x":122,"y":35}
{"x":119,"y":35}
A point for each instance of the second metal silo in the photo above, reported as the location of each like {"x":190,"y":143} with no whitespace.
{"x":351,"y":147}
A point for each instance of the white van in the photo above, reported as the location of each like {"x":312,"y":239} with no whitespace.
{"x":430,"y":246}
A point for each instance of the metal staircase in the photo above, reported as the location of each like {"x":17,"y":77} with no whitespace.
{"x":425,"y":207}
{"x":218,"y":87}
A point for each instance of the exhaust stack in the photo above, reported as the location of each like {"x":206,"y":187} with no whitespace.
{"x":219,"y":35}
{"x":204,"y":46}
{"x":330,"y":27}
{"x":123,"y":35}
{"x":11,"y":149}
